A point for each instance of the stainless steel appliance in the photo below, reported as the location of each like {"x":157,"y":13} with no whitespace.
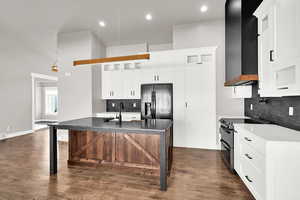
{"x":157,"y":101}
{"x":227,"y":137}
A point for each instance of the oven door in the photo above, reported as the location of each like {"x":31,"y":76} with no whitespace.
{"x":226,"y":152}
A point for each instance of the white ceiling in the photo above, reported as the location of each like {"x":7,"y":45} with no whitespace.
{"x":125,"y":19}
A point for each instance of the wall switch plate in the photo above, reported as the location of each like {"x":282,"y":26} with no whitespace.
{"x":251,"y":106}
{"x":291,"y":111}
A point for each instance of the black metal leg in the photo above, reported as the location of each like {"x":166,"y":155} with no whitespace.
{"x":53,"y":150}
{"x":163,"y":162}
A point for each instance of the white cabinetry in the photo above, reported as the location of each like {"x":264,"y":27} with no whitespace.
{"x":121,"y":80}
{"x":242,"y":91}
{"x":132,"y":89}
{"x":265,"y":159}
{"x":279,"y":47}
{"x":112,"y":81}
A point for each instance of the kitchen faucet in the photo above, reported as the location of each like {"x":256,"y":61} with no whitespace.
{"x":120,"y":111}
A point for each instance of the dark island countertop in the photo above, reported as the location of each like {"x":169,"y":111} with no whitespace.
{"x":151,"y":126}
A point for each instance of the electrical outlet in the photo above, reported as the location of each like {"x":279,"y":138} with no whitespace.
{"x":291,"y":111}
{"x":251,"y":106}
{"x":113,"y":105}
{"x":134,"y":105}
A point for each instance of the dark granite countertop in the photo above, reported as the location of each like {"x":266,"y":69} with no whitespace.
{"x":151,"y":126}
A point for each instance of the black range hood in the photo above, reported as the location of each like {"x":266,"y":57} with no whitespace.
{"x":241,"y":42}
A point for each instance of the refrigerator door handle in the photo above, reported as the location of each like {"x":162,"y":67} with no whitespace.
{"x":153,"y":103}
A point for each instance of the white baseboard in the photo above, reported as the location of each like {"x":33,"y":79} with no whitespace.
{"x":14,"y":134}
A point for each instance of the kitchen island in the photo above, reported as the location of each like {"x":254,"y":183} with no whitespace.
{"x":95,"y":141}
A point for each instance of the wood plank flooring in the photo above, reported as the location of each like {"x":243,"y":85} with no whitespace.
{"x":24,"y":174}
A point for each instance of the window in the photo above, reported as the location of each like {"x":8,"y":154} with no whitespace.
{"x":51,"y":101}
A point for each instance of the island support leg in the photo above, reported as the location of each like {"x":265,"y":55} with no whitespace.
{"x":163,"y":162}
{"x":53,"y":150}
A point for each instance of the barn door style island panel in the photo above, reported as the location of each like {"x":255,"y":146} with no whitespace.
{"x":145,"y":144}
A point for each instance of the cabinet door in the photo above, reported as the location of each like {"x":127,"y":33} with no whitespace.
{"x":148,"y":76}
{"x":179,"y":133}
{"x":132,"y":86}
{"x":287,"y":33}
{"x":200,"y":117}
{"x":112,"y":85}
{"x":267,"y":52}
{"x":107,"y":84}
{"x":117,"y":82}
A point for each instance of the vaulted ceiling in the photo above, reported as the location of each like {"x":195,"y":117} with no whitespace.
{"x":125,"y":19}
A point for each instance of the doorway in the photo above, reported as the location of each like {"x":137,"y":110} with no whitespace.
{"x":44,"y":100}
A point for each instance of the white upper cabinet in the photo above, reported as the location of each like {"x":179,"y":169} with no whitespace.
{"x":112,"y":81}
{"x":132,"y":89}
{"x":279,"y":47}
{"x":242,"y":92}
{"x":122,"y":80}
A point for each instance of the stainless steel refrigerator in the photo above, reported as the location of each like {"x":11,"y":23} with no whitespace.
{"x":157,"y":101}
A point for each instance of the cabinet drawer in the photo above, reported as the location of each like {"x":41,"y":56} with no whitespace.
{"x":254,"y":180}
{"x":257,"y":143}
{"x":253,"y":157}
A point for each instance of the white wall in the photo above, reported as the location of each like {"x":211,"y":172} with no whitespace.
{"x":98,"y":51}
{"x":210,"y":33}
{"x":160,"y":47}
{"x":123,"y":50}
{"x":76,"y":84}
{"x":18,"y":60}
{"x":75,"y":90}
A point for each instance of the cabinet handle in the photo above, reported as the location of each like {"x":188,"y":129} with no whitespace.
{"x":248,"y":179}
{"x":271,"y":56}
{"x":186,"y":104}
{"x":247,"y":139}
{"x":133,"y":92}
{"x":112,"y":93}
{"x":157,"y":77}
{"x":247,"y":155}
{"x":154,"y":77}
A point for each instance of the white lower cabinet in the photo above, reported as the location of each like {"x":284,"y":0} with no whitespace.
{"x":269,"y":165}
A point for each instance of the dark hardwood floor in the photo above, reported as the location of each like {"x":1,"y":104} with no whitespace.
{"x":24,"y":174}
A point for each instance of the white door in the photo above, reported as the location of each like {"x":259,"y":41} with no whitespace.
{"x":200,"y":116}
{"x":179,"y":133}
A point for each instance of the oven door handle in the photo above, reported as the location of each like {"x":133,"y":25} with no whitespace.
{"x":226,"y":145}
{"x":227,"y":130}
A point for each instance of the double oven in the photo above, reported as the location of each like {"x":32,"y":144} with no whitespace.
{"x":227,"y":143}
{"x":227,"y":137}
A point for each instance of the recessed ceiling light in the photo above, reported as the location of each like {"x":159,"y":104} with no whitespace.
{"x":102,"y":24}
{"x":204,"y":8}
{"x":148,"y":17}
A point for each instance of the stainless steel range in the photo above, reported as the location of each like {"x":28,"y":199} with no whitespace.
{"x":227,"y":137}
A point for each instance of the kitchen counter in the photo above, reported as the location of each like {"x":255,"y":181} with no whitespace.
{"x":94,"y":141}
{"x":270,"y":132}
{"x":153,"y":126}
